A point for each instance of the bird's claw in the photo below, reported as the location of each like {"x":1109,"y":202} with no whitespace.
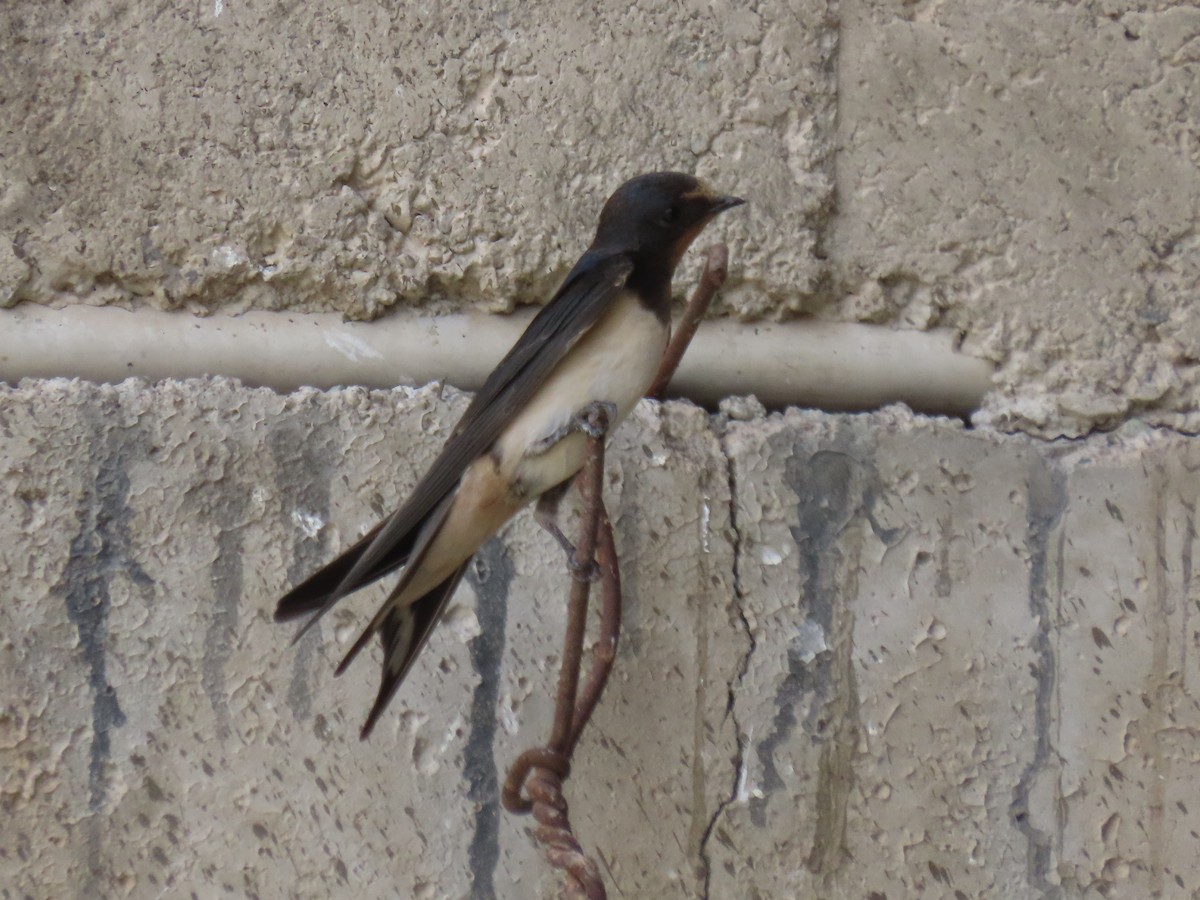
{"x":580,"y":571}
{"x":596,"y":418}
{"x":588,"y":572}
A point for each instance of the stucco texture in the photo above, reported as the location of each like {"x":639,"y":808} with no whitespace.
{"x":876,"y":656}
{"x":863,"y":656}
{"x":1021,"y":172}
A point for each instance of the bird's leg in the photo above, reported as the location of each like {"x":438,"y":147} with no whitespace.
{"x":545,"y":513}
{"x":592,"y":420}
{"x":546,"y":441}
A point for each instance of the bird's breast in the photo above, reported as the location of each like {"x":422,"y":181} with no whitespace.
{"x":614,"y":362}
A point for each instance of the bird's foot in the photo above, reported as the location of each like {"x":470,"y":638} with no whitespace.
{"x":588,"y":572}
{"x":596,"y":418}
{"x":580,"y":571}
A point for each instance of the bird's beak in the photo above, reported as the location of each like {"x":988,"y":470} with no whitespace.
{"x":720,"y":204}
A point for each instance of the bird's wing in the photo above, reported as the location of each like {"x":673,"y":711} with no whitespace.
{"x":310,"y":594}
{"x":578,"y":304}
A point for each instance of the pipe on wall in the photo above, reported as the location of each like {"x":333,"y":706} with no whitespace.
{"x":828,"y":365}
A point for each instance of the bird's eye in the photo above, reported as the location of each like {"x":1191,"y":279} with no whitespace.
{"x":671,"y":216}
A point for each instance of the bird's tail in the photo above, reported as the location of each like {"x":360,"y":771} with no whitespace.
{"x":404,"y":631}
{"x":404,"y":628}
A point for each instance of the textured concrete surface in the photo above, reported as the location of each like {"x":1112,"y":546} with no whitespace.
{"x":973,"y":666}
{"x":864,"y":656}
{"x":353,"y":156}
{"x":159,"y":735}
{"x":1026,"y":172}
{"x":1020,"y":171}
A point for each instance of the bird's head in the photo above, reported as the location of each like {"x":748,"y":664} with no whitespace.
{"x":659,"y":215}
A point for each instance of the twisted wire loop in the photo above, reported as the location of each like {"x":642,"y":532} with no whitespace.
{"x":563,"y":851}
{"x":540,"y":771}
{"x":543,"y":758}
{"x":534,"y":784}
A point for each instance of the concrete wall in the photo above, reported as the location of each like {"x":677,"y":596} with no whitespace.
{"x":1024,"y":172}
{"x":877,"y":656}
{"x":863,"y":656}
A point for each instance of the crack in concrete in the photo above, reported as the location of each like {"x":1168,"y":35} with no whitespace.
{"x":743,"y":667}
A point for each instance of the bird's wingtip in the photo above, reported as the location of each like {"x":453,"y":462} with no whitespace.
{"x":293,"y":605}
{"x":372,"y":718}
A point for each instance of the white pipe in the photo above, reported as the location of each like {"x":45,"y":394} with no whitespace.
{"x":822,"y":364}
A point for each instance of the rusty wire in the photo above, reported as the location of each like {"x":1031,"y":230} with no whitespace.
{"x":541,"y":771}
{"x":716,"y":270}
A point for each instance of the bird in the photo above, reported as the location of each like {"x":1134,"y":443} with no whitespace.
{"x":596,"y":345}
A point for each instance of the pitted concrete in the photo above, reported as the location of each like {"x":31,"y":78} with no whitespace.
{"x":351,"y":158}
{"x":1020,"y":172}
{"x":863,"y":656}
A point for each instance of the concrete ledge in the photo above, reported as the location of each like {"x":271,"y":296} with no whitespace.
{"x":864,"y":656}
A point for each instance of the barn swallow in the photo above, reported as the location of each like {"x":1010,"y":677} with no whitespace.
{"x":597,"y":343}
